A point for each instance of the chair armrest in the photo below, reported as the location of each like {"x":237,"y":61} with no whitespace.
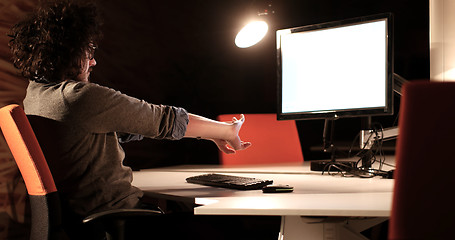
{"x":113,"y":222}
{"x":119,"y":214}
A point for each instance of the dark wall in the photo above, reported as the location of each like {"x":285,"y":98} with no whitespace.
{"x":183,"y":54}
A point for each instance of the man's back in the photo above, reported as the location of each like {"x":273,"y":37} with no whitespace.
{"x":86,"y":164}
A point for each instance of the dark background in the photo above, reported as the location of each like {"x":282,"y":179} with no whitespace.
{"x":182,"y":53}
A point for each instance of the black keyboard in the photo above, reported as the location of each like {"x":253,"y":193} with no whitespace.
{"x":229,"y":181}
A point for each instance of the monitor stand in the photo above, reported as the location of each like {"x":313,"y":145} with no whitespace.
{"x":332,"y":165}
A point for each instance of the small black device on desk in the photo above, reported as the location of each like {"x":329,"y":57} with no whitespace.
{"x":277,"y":189}
{"x":229,"y":181}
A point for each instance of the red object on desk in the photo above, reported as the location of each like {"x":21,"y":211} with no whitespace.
{"x":272,"y":141}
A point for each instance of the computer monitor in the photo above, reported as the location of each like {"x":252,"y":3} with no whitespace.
{"x":336,"y":69}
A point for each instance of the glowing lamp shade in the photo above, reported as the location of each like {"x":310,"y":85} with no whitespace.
{"x":251,"y":34}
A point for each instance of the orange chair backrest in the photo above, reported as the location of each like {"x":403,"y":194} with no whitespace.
{"x":272,"y":141}
{"x":26,"y":150}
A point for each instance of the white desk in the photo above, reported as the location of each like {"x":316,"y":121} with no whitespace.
{"x":353,"y":204}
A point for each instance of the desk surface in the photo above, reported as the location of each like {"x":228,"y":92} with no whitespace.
{"x":314,"y":194}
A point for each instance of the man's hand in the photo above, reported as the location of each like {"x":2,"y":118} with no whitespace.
{"x":233,"y":143}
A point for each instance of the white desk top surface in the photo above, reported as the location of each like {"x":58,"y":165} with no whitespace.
{"x":314,"y":194}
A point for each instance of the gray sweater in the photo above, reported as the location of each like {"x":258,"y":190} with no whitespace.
{"x":78,"y":126}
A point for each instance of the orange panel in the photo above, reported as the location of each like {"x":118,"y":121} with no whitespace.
{"x":272,"y":141}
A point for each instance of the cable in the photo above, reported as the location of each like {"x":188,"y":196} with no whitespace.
{"x":367,"y":157}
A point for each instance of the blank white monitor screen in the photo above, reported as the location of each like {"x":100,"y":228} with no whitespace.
{"x":335,"y":70}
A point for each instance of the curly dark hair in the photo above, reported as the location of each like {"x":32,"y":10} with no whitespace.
{"x":50,"y":44}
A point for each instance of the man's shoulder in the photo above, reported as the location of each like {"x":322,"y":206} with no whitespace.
{"x":65,"y":86}
{"x":85,"y":90}
{"x":76,"y":86}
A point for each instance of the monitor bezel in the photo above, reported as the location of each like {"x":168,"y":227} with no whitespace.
{"x":334,"y":114}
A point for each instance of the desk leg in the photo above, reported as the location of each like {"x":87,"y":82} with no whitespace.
{"x":325,"y":228}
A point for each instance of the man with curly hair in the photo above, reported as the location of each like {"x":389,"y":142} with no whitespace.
{"x":79,"y":124}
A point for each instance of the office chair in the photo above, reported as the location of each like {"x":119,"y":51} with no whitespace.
{"x":423,"y":203}
{"x":46,"y":208}
{"x":272,"y":141}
